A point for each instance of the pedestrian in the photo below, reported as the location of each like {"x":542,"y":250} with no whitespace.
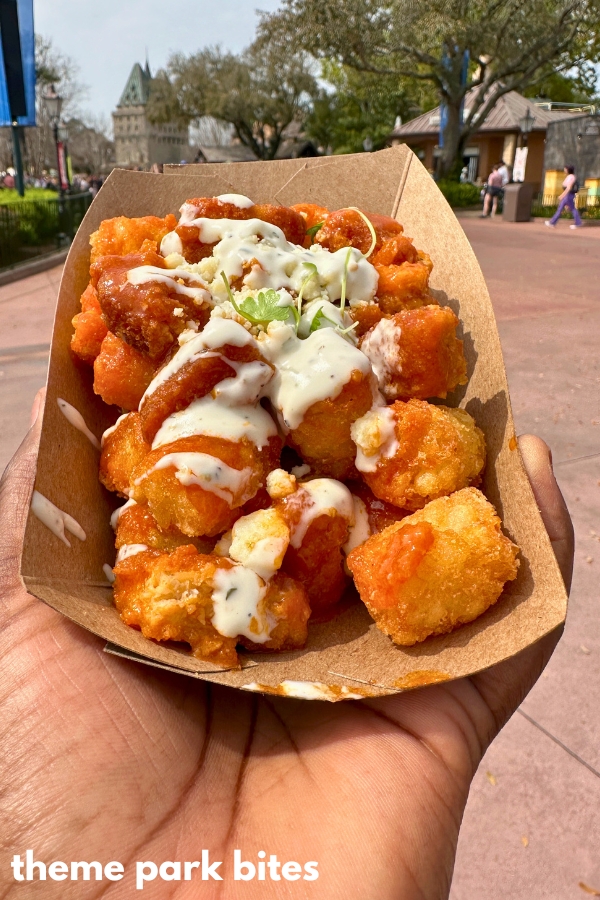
{"x":492,"y":192}
{"x":567,"y":199}
{"x":504,"y":171}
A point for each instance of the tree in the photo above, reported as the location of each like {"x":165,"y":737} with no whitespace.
{"x":510,"y":45}
{"x":355,"y":107}
{"x":259,"y":92}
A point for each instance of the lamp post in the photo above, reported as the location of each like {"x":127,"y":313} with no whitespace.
{"x":53,"y":103}
{"x":526,"y":124}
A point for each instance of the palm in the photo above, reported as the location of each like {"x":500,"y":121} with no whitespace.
{"x":109,"y":760}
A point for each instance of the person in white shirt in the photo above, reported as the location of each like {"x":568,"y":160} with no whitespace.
{"x":503,"y":170}
{"x":567,"y":199}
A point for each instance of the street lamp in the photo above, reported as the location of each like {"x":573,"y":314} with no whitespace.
{"x":53,"y":103}
{"x":526,"y":124}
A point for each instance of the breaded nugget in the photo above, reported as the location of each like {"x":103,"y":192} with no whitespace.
{"x":416,"y":353}
{"x":121,"y":374}
{"x":210,"y":603}
{"x":90,"y":328}
{"x":411,"y":453}
{"x":380,"y":513}
{"x":347,"y":228}
{"x":146,"y":304}
{"x":123,"y":448}
{"x":291,"y":222}
{"x":395,"y":251}
{"x":120,"y":236}
{"x":403,"y":287}
{"x":313,"y":215}
{"x":319,"y":514}
{"x":137,"y":526}
{"x":437,"y":569}
{"x":199,"y":484}
{"x":367,"y":315}
{"x":323,"y":437}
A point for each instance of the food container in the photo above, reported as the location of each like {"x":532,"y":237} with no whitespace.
{"x":347,"y":657}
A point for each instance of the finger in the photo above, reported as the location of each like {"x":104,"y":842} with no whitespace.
{"x":537,"y":459}
{"x":38,"y":403}
{"x":16,"y":488}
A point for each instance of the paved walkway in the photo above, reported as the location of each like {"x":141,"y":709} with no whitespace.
{"x":532,"y":825}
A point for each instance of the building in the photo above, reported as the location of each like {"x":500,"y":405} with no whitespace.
{"x":497,"y":138}
{"x":139,"y":143}
{"x":574,"y":142}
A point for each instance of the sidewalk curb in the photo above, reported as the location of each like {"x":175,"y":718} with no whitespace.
{"x":33,"y":267}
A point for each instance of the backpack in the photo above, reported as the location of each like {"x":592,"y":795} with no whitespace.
{"x":575,"y":188}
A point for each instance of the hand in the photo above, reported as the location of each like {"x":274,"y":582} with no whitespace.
{"x":108,"y":760}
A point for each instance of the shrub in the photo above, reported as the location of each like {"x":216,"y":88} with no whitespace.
{"x":460,"y":195}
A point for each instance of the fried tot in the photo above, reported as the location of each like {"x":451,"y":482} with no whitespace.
{"x":437,"y":569}
{"x":121,"y":374}
{"x":136,"y":526}
{"x":120,"y":236}
{"x":90,"y":328}
{"x":411,"y":453}
{"x":123,"y":448}
{"x":416,"y":353}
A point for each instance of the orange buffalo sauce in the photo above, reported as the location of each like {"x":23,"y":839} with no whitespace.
{"x":406,"y":551}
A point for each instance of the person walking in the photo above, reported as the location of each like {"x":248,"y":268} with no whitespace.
{"x":492,"y":192}
{"x":567,"y":199}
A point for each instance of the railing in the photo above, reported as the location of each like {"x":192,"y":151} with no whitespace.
{"x":31,"y":228}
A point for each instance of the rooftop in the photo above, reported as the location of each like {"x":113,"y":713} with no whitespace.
{"x":137,"y":89}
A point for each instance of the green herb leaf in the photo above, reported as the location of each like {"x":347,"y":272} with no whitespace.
{"x":264,"y":308}
{"x":312,"y":231}
{"x":318,"y":318}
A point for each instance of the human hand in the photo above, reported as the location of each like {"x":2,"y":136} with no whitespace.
{"x":109,"y":760}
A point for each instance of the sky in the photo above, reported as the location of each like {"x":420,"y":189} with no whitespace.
{"x":106,"y":37}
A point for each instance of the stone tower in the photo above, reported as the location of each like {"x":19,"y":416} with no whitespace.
{"x":138,"y":143}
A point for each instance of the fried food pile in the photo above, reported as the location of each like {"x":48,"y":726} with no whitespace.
{"x":274,"y":369}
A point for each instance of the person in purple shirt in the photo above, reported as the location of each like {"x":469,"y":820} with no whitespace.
{"x":567,"y":198}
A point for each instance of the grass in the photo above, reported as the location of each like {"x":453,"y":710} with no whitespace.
{"x":10,"y":197}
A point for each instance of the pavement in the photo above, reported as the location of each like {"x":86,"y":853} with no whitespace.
{"x":532,"y":824}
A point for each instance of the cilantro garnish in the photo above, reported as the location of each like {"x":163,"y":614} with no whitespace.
{"x":262,"y":309}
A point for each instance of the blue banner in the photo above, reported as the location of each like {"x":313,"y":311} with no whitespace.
{"x":443,"y":107}
{"x":25,"y":60}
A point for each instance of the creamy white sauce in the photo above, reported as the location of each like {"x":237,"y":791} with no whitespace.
{"x":171,"y":243}
{"x":114,"y":519}
{"x":248,"y":385}
{"x":209,"y":417}
{"x":327,"y":497}
{"x":307,"y":371}
{"x":360,"y":531}
{"x":73,"y":416}
{"x":55,"y":519}
{"x":112,"y":429}
{"x":196,"y":292}
{"x":210,"y":473}
{"x":110,"y":575}
{"x":280,"y":263}
{"x":217,"y":332}
{"x":382,"y":347}
{"x":307,"y":690}
{"x":128,"y":550}
{"x":237,"y":598}
{"x":259,"y":542}
{"x":332,"y":317}
{"x":236,"y":200}
{"x":375,"y":437}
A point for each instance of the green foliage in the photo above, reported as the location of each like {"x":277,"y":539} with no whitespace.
{"x":10,"y":197}
{"x":579,"y":86}
{"x":460,"y":195}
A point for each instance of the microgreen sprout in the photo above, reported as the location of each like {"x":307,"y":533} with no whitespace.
{"x":369,"y":225}
{"x":312,"y":231}
{"x":345,"y":280}
{"x":312,"y":273}
{"x":262,"y":309}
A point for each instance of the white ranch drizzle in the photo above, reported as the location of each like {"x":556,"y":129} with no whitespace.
{"x":112,"y":429}
{"x":308,"y":371}
{"x":110,"y":575}
{"x":307,"y":690}
{"x":210,"y":473}
{"x":146,"y":274}
{"x":55,"y":519}
{"x":236,"y":200}
{"x":210,"y":417}
{"x":171,"y":243}
{"x":375,"y":437}
{"x":361,"y":530}
{"x":282,"y":264}
{"x":128,"y":550}
{"x":114,"y":519}
{"x":382,"y":347}
{"x":332,"y":317}
{"x":214,"y":336}
{"x":73,"y":416}
{"x":237,"y":598}
{"x":327,"y":496}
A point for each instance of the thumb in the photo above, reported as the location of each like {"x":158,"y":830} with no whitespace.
{"x":16,"y":488}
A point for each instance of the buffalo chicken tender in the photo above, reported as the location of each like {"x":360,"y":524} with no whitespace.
{"x":136,"y":530}
{"x":198,"y":484}
{"x":147,"y":305}
{"x":437,"y":569}
{"x":120,"y":236}
{"x":123,"y":448}
{"x":411,"y":453}
{"x":90,"y":328}
{"x":210,"y":603}
{"x":416,"y":353}
{"x":121,"y":374}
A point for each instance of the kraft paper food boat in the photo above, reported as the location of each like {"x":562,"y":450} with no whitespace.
{"x":346,"y":657}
